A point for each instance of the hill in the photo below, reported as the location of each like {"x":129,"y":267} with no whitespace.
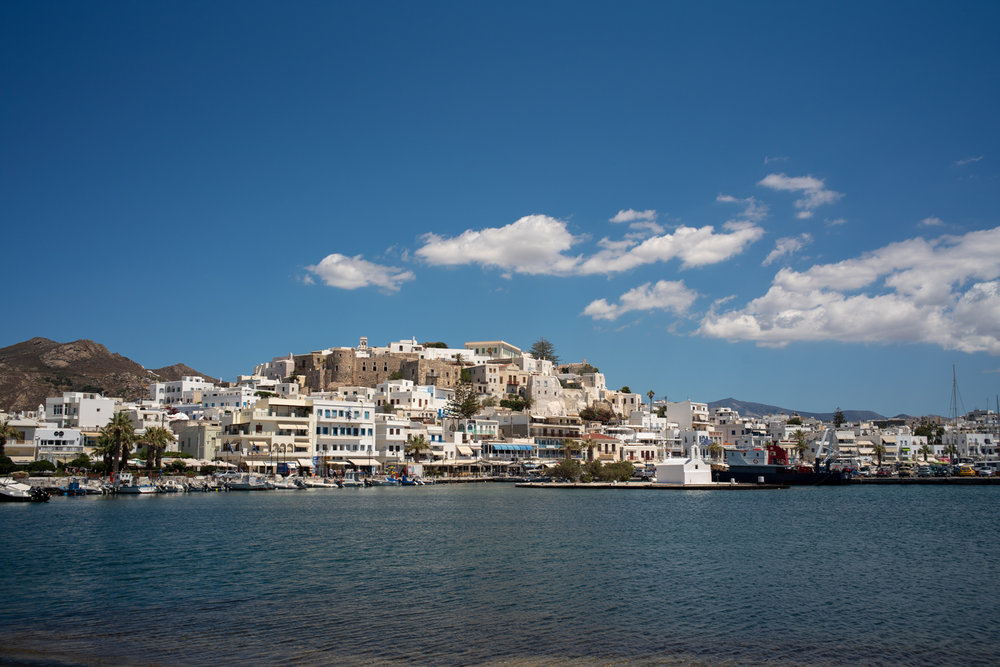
{"x":750,"y":409}
{"x":35,"y":369}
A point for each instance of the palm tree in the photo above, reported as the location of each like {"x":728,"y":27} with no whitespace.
{"x":800,"y":444}
{"x":157,"y":438}
{"x":925,"y":450}
{"x":716,"y":450}
{"x":415,"y":445}
{"x":122,"y":435}
{"x":590,"y":445}
{"x":570,"y":445}
{"x":879,"y":449}
{"x":7,"y":432}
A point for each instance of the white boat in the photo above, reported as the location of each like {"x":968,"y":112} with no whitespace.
{"x":249,"y":482}
{"x":12,"y":491}
{"x":317,"y":483}
{"x":171,"y":486}
{"x":132,"y":486}
{"x":280,"y":482}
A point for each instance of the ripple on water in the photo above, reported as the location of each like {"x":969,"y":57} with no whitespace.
{"x":497,"y":575}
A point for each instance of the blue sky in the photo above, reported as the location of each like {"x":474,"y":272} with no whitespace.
{"x":792,"y":203}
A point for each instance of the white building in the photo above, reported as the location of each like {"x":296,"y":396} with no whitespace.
{"x":79,"y":410}
{"x":186,"y":390}
{"x":345,"y":433}
{"x":58,"y":444}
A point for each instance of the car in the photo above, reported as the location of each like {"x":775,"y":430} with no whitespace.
{"x":966,"y":471}
{"x":941,"y":471}
{"x":924,"y":471}
{"x":904,"y":472}
{"x":984,"y":472}
{"x":883,"y":472}
{"x":865,"y":471}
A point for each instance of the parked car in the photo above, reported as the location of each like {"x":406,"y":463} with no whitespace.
{"x":984,"y":472}
{"x":883,"y":472}
{"x":966,"y":471}
{"x":904,"y":472}
{"x":941,"y":471}
{"x":865,"y":471}
{"x":924,"y":471}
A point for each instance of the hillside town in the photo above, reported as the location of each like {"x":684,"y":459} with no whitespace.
{"x":486,"y":408}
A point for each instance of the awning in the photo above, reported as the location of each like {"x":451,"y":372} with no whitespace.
{"x":293,"y":427}
{"x":365,"y":462}
{"x":464,"y":450}
{"x":305,"y":463}
{"x":513,"y":448}
{"x":22,"y":459}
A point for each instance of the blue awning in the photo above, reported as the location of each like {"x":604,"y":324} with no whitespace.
{"x":512,"y":448}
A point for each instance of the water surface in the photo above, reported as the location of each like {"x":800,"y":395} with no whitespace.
{"x":473,"y":574}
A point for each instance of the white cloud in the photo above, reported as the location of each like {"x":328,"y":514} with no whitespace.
{"x":631,"y":215}
{"x":968,"y":160}
{"x":814,"y":192}
{"x":694,"y":246}
{"x":944,"y":292}
{"x":664,"y":295}
{"x":344,"y":272}
{"x":787,"y":246}
{"x":533,"y":245}
{"x":836,"y":221}
{"x":777,"y":158}
{"x":931,"y":222}
{"x":753,"y":210}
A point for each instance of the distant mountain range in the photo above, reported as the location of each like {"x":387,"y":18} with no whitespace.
{"x":38,"y":368}
{"x":748,"y":409}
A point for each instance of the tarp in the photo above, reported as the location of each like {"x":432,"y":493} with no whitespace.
{"x":365,"y":462}
{"x":305,"y":463}
{"x":293,"y":427}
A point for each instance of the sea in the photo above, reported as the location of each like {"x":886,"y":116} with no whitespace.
{"x":490,"y":574}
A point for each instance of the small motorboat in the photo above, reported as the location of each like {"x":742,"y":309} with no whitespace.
{"x":12,"y":491}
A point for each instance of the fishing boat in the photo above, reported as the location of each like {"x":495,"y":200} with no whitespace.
{"x":770,"y":465}
{"x":171,"y":486}
{"x":12,"y":491}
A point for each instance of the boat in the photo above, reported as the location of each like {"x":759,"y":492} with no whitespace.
{"x":279,"y":482}
{"x":171,"y":486}
{"x":381,"y":481}
{"x":73,"y":487}
{"x":770,"y":465}
{"x":249,"y":482}
{"x":410,"y":481}
{"x":131,"y":486}
{"x":317,"y":483}
{"x":351,"y":479}
{"x":12,"y":491}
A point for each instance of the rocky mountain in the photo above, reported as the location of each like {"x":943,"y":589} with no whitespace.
{"x":38,"y":368}
{"x":750,"y":409}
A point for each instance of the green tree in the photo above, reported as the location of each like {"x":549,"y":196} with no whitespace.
{"x":597,"y":413}
{"x":661,"y":411}
{"x":794,"y":421}
{"x":43,"y":465}
{"x":925,"y":450}
{"x":176,"y":467}
{"x":570,"y":446}
{"x":7,"y":432}
{"x":436,"y":344}
{"x":396,"y":375}
{"x":626,"y":390}
{"x":464,"y":404}
{"x":81,"y":461}
{"x":879,"y":450}
{"x":543,"y":349}
{"x":838,"y":418}
{"x":566,"y":470}
{"x":122,"y":435}
{"x":800,"y":444}
{"x":157,"y":438}
{"x":716,"y":450}
{"x":416,"y":445}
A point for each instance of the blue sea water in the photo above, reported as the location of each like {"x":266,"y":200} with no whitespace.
{"x":474,"y":574}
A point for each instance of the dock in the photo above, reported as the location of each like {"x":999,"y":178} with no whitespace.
{"x":653,"y":486}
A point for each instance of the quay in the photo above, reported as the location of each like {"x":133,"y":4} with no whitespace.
{"x":967,"y":481}
{"x":721,"y":486}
